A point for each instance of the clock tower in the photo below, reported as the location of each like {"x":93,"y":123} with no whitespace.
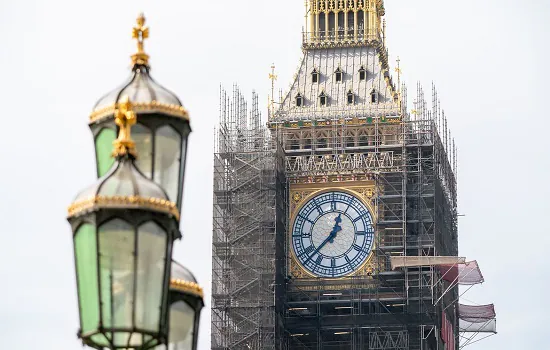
{"x":309,"y":212}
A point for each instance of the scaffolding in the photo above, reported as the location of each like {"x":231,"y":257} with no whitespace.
{"x":258,"y":304}
{"x":248,"y":227}
{"x":411,"y":157}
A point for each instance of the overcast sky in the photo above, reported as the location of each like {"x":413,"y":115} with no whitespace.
{"x":59,"y":56}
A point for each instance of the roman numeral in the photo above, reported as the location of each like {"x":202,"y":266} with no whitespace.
{"x":319,"y":209}
{"x":307,"y":251}
{"x":358,"y":248}
{"x":319,"y":259}
{"x":333,"y":262}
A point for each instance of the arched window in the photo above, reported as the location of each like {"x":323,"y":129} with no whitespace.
{"x":374,"y":96}
{"x":331,"y":25}
{"x":362,"y":73}
{"x":338,"y":74}
{"x":323,"y":99}
{"x":341,"y":25}
{"x":315,"y":76}
{"x":351,"y":24}
{"x":299,"y":100}
{"x":360,"y":24}
{"x":322,"y":26}
{"x":351,"y":97}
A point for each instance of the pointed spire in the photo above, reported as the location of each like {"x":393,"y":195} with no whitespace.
{"x":272,"y":77}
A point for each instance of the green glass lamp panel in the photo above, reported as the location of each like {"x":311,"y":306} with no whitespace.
{"x":103,"y":150}
{"x":144,"y":146}
{"x":116,"y":268}
{"x":167,"y":160}
{"x":151,"y":271}
{"x":86,"y":267}
{"x":182,"y":324}
{"x":100,"y":339}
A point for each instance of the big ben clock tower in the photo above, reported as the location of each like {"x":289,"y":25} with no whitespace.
{"x":350,"y":179}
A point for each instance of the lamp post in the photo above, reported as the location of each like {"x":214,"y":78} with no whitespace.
{"x":130,"y":294}
{"x":162,"y":130}
{"x":124,"y":227}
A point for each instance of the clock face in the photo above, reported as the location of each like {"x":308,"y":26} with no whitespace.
{"x":333,"y":234}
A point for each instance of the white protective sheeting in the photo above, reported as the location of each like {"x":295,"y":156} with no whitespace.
{"x":489,"y":326}
{"x":416,"y":261}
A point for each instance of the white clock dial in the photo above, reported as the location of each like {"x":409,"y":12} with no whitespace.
{"x":333,"y":234}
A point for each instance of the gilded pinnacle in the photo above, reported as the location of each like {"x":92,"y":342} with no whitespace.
{"x":124,"y":118}
{"x":140,"y":32}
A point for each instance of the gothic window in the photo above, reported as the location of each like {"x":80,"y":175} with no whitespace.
{"x":351,"y":25}
{"x":351,"y":97}
{"x":331,"y":25}
{"x":315,"y":76}
{"x":362,"y":73}
{"x":323,"y":99}
{"x":360,"y":24}
{"x":339,"y":75}
{"x":374,"y":96}
{"x":341,"y":25}
{"x":299,"y":100}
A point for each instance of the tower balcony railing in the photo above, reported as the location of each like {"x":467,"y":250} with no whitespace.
{"x":340,"y":37}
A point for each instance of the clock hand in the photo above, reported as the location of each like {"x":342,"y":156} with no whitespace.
{"x":332,"y":235}
{"x":337,"y":228}
{"x":330,"y":239}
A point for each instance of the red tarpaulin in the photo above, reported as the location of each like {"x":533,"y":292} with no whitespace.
{"x":479,"y":313}
{"x":467,"y":273}
{"x":447,"y":332}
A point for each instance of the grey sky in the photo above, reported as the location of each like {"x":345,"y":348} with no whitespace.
{"x":60,"y":56}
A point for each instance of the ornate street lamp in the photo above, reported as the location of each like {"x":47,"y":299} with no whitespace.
{"x":124,"y":227}
{"x":186,"y":303}
{"x":162,"y":130}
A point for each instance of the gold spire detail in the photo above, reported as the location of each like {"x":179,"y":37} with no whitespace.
{"x":140,"y":33}
{"x":124,"y":118}
{"x":272,"y":77}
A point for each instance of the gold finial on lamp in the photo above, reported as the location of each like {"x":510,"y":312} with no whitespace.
{"x":124,"y":118}
{"x":140,"y":32}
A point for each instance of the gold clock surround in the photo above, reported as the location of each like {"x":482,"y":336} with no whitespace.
{"x":300,"y":194}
